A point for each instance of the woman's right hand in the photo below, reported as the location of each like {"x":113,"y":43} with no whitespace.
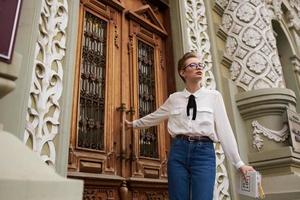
{"x":128,"y":124}
{"x":245,"y":169}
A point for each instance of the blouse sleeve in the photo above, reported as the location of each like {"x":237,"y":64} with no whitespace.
{"x":154,"y":118}
{"x":225,"y":133}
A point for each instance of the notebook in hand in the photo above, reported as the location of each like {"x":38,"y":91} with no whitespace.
{"x":251,"y":186}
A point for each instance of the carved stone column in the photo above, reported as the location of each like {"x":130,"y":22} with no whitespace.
{"x":263,"y":112}
{"x":251,"y":45}
{"x":262,"y":99}
{"x":255,"y":67}
{"x":270,"y":149}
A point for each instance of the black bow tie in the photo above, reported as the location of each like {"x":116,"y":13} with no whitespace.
{"x":191,"y":104}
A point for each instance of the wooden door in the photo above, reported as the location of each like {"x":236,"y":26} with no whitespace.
{"x":124,"y":70}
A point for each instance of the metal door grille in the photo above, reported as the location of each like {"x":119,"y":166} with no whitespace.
{"x":92,"y":83}
{"x":148,"y":137}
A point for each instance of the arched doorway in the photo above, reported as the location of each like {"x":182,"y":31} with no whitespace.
{"x":286,"y":56}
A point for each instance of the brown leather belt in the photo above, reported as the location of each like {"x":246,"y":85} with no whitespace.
{"x":194,"y":138}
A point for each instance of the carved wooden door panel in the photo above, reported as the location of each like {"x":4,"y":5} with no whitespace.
{"x":123,"y":70}
{"x":148,"y":88}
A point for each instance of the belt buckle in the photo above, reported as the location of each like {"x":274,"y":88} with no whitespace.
{"x":190,"y":139}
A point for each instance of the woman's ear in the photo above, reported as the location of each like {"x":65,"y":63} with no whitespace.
{"x":181,"y":72}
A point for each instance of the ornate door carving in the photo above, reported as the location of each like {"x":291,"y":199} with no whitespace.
{"x":121,"y":72}
{"x":146,"y":53}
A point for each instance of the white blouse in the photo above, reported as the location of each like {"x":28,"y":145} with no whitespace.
{"x":211,"y":120}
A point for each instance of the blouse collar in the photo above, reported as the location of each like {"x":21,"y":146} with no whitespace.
{"x":196,"y":94}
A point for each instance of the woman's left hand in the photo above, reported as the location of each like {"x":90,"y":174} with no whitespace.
{"x":245,"y":169}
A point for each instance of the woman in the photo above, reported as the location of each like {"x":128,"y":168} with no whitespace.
{"x":196,"y":118}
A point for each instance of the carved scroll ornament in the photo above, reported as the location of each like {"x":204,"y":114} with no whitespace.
{"x":42,"y":119}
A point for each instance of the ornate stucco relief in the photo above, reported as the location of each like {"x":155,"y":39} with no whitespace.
{"x":222,"y":3}
{"x":296,"y":63}
{"x":42,"y":119}
{"x":294,"y":14}
{"x":274,"y":8}
{"x":278,"y":136}
{"x":198,"y":41}
{"x":251,"y":45}
{"x":222,"y":182}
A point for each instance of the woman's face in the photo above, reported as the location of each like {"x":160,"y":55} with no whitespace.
{"x":193,"y":70}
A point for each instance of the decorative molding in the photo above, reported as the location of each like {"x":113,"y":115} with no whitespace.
{"x":220,"y":6}
{"x":146,"y":17}
{"x":117,"y":4}
{"x":163,"y":168}
{"x":251,"y":44}
{"x":147,"y":13}
{"x":137,"y":167}
{"x":42,"y":119}
{"x":296,"y":62}
{"x":295,"y":4}
{"x":110,"y":162}
{"x":113,"y":17}
{"x":274,"y":8}
{"x":264,"y":102}
{"x":222,"y":181}
{"x":198,"y":39}
{"x":222,"y":3}
{"x":142,"y":194}
{"x":222,"y":34}
{"x":154,"y":195}
{"x":278,"y":136}
{"x":294,"y":21}
{"x":116,"y":37}
{"x":294,"y":14}
{"x":100,"y":193}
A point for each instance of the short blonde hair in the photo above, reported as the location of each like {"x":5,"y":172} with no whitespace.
{"x":181,"y":62}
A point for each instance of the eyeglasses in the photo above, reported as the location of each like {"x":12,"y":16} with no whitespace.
{"x":200,"y":66}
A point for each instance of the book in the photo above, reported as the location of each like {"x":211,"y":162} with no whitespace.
{"x":251,"y":185}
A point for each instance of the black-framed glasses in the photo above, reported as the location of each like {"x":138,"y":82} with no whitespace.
{"x":199,"y":65}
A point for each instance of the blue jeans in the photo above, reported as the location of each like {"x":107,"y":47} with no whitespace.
{"x":191,"y":170}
